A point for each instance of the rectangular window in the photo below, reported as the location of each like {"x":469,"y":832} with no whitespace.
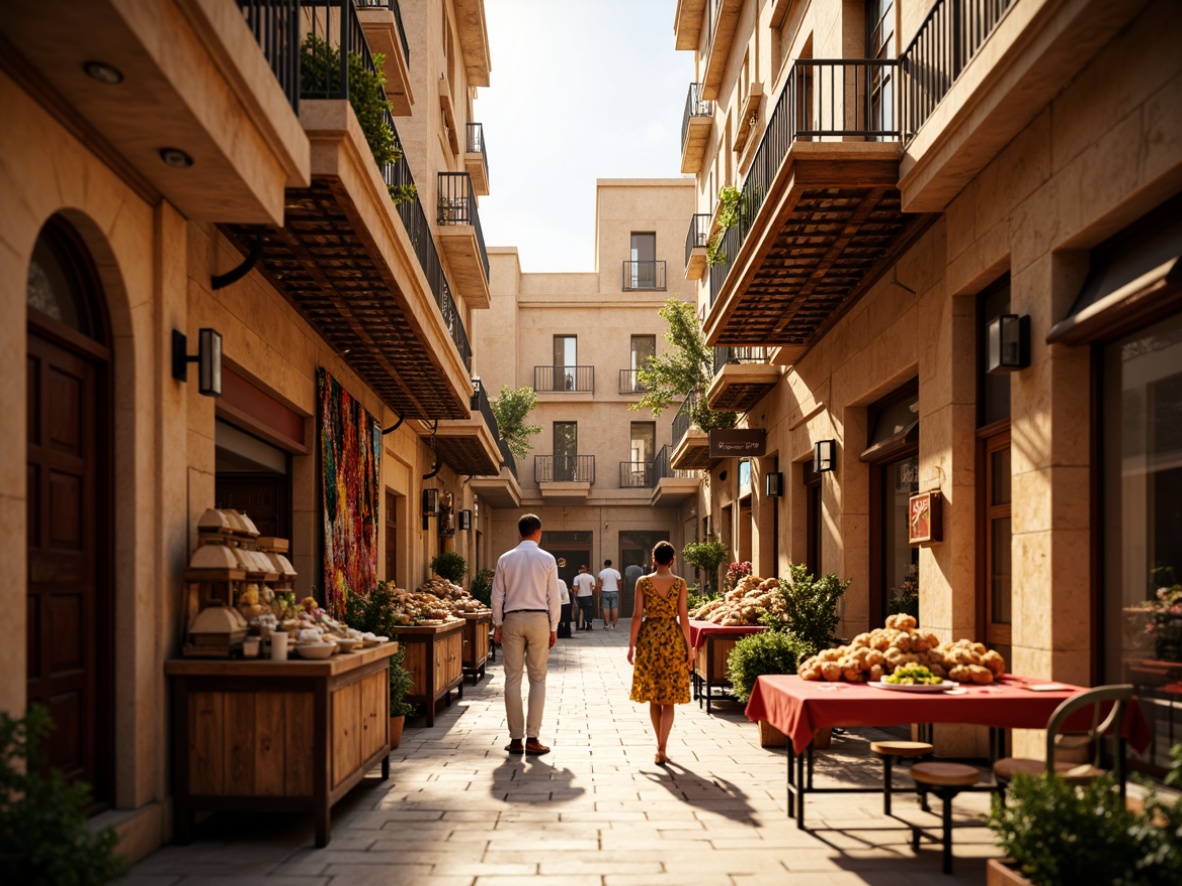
{"x":566,"y":358}
{"x":993,"y":390}
{"x":812,"y":519}
{"x":566,"y":450}
{"x":1142,"y":524}
{"x":643,"y":443}
{"x":644,"y":348}
{"x":642,"y":262}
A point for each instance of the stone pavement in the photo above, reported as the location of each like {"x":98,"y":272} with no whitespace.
{"x":457,"y":811}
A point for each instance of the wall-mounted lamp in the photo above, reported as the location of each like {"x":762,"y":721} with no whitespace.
{"x":825,"y":456}
{"x":430,"y":506}
{"x":208,"y":360}
{"x":465,"y":522}
{"x":773,"y":484}
{"x":1008,"y":340}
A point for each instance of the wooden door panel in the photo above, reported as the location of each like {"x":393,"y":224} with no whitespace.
{"x":67,"y":644}
{"x":66,"y":494}
{"x":66,"y":748}
{"x":65,"y":393}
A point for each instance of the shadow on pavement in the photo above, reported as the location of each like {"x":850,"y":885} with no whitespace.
{"x":528,"y":780}
{"x":714,"y":793}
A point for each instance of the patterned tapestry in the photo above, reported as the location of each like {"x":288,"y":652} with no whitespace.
{"x":351,"y":452}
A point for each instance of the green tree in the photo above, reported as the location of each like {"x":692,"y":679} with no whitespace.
{"x":707,"y":556}
{"x":512,"y":408}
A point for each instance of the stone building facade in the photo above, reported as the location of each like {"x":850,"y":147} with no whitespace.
{"x":909,"y":172}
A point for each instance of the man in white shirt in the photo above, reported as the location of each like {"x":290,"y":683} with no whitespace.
{"x":584,"y":588}
{"x":564,"y":599}
{"x":525,"y":612}
{"x":609,"y":595}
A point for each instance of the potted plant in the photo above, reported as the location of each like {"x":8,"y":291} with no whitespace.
{"x":811,"y":606}
{"x":1165,"y":623}
{"x":775,"y":652}
{"x":450,"y":565}
{"x":482,"y":586}
{"x":400,"y":685}
{"x":706,"y":556}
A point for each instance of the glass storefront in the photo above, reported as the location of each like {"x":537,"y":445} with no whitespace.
{"x":900,"y":560}
{"x":1142,"y":528}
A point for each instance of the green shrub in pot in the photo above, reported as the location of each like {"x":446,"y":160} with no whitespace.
{"x":773,"y":652}
{"x":482,"y":586}
{"x":450,"y":565}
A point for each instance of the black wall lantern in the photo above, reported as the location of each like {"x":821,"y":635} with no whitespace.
{"x":825,"y":456}
{"x":773,"y":484}
{"x":1008,"y":343}
{"x":465,"y":520}
{"x":430,"y":506}
{"x":208,"y":360}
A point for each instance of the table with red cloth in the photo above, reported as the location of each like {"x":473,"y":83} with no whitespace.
{"x":798,"y":708}
{"x":710,"y":682}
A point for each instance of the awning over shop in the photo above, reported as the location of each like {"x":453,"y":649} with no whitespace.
{"x":1135,"y":276}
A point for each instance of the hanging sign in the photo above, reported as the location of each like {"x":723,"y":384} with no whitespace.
{"x":923,"y":518}
{"x":738,"y":443}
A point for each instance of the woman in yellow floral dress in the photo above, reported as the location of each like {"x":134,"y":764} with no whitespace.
{"x":659,"y":649}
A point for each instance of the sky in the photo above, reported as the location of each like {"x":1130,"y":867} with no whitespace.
{"x":578,"y":91}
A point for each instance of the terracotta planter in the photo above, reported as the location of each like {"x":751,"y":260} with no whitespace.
{"x":1000,"y":872}
{"x":396,"y":725}
{"x":770,"y":736}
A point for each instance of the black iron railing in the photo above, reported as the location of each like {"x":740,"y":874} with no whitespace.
{"x":507,"y":459}
{"x":949,"y":38}
{"x":643,"y":275}
{"x":698,"y":234}
{"x":576,"y":379}
{"x":331,"y":36}
{"x":481,"y":404}
{"x":684,"y":420}
{"x":723,"y":356}
{"x":662,"y":470}
{"x":564,"y":468}
{"x":276,"y":26}
{"x":476,"y":144}
{"x":821,"y":99}
{"x":636,"y":474}
{"x":695,"y":106}
{"x":457,"y":206}
{"x":630,"y":382}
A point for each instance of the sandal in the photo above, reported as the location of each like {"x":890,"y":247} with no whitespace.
{"x":660,"y":759}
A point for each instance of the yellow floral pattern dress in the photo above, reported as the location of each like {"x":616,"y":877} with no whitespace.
{"x":660,"y":672}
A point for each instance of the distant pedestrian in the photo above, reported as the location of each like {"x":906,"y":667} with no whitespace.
{"x":659,"y":649}
{"x":584,"y":597}
{"x":631,"y":574}
{"x":564,"y":599}
{"x":609,"y":594}
{"x":525,"y":612}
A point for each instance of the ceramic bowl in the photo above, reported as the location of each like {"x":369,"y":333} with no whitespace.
{"x":315,"y":650}
{"x":347,"y":644}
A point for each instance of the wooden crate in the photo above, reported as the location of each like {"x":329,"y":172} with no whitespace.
{"x":434,"y":657}
{"x":476,"y":645}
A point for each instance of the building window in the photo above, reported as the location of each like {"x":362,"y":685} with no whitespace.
{"x":994,"y":527}
{"x":812,"y":519}
{"x":566,"y":450}
{"x":641,"y":270}
{"x":644,"y":348}
{"x":1142,"y":524}
{"x":566,"y":358}
{"x":880,"y":44}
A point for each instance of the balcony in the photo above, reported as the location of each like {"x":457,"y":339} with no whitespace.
{"x":687,"y":23}
{"x":636,"y":474}
{"x":722,"y":17}
{"x":819,"y":211}
{"x":671,"y":487}
{"x":564,"y":379}
{"x":363,"y":271}
{"x":643,"y":275}
{"x":691,"y":445}
{"x":742,"y":377}
{"x":564,"y":479}
{"x":462,"y":238}
{"x":630,"y":382}
{"x":476,"y":158}
{"x":696,"y":240}
{"x":382,"y":22}
{"x":502,"y":490}
{"x":696,"y":123}
{"x":218,"y":81}
{"x":472,"y":445}
{"x":473,"y":40}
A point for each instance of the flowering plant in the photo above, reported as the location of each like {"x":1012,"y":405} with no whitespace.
{"x":1165,"y":623}
{"x":736,"y":571}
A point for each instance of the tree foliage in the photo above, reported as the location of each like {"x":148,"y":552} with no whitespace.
{"x":512,"y":408}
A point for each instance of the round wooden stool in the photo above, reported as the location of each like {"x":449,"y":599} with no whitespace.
{"x":892,"y":751}
{"x":945,"y":780}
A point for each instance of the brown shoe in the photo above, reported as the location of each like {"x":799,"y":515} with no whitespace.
{"x":514,"y":746}
{"x":535,"y":748}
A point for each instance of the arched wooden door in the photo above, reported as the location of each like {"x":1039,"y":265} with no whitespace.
{"x":70,"y":642}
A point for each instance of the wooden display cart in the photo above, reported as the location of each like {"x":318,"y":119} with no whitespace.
{"x":434,"y":657}
{"x":254,"y":735}
{"x":713,"y":644}
{"x":476,"y":644}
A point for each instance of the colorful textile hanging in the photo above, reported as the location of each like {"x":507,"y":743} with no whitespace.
{"x":350,"y":452}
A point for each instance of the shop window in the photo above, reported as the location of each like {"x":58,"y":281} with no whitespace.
{"x":253,"y":477}
{"x":1142,"y":525}
{"x":812,"y":519}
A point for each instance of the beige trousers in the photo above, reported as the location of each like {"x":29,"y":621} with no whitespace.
{"x":525,"y":641}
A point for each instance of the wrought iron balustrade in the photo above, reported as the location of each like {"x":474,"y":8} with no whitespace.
{"x":276,"y":26}
{"x":698,"y":235}
{"x":684,"y":419}
{"x":475,"y":143}
{"x":643,"y":275}
{"x":457,"y":206}
{"x":480,"y":403}
{"x":662,"y":469}
{"x":636,"y":474}
{"x":695,"y":106}
{"x":630,"y":382}
{"x":723,"y":356}
{"x":564,"y":468}
{"x":574,"y":379}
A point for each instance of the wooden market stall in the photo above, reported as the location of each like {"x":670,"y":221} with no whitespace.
{"x":477,"y":626}
{"x":434,"y":657}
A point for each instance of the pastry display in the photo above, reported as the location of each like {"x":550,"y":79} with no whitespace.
{"x":748,"y":603}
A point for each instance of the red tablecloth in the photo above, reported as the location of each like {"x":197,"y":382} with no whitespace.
{"x":700,"y":629}
{"x":798,"y":708}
